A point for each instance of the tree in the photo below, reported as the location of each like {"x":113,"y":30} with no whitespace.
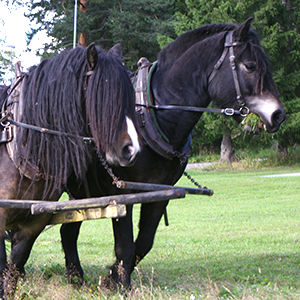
{"x":136,"y":24}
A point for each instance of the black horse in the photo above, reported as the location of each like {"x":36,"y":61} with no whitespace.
{"x":77,"y":102}
{"x":194,"y":70}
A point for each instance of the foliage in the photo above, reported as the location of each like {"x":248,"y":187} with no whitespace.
{"x":135,"y":24}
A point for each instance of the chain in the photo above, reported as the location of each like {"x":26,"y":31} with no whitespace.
{"x":119,"y":183}
{"x":193,"y":180}
{"x":104,"y":163}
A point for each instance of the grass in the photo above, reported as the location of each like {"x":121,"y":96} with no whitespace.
{"x":241,"y":243}
{"x":253,"y":158}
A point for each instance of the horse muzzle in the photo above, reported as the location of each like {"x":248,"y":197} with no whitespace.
{"x":277,"y":119}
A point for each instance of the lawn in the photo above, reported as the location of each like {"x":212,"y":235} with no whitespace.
{"x":241,"y":243}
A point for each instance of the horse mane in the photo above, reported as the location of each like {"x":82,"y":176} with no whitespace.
{"x":117,"y":100}
{"x":60,"y":96}
{"x":181,"y":44}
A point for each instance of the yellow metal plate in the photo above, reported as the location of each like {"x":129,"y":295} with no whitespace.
{"x":111,"y":211}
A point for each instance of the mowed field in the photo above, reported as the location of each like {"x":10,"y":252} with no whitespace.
{"x":241,"y":243}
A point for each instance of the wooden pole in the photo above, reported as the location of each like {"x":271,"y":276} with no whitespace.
{"x":83,"y":36}
{"x":158,"y":187}
{"x":127,"y":199}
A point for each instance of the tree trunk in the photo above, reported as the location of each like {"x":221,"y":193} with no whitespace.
{"x":83,"y":36}
{"x":227,"y":148}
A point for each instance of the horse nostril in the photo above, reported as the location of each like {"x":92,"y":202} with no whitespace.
{"x":278,"y":117}
{"x":128,"y":151}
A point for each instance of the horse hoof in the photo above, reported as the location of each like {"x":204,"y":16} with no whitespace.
{"x":109,"y":283}
{"x":74,"y":277}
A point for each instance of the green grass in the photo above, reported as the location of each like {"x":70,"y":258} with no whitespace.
{"x":241,"y":243}
{"x":255,"y":157}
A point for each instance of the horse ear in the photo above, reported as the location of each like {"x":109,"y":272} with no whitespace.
{"x":92,"y":56}
{"x":116,"y":50}
{"x":242,"y":31}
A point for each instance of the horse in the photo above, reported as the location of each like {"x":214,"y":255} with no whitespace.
{"x":222,"y":63}
{"x":59,"y":116}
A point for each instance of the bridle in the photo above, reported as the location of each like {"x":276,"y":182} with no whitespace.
{"x":243,"y":109}
{"x":228,"y":46}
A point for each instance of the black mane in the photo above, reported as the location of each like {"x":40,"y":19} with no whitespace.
{"x":182,"y":43}
{"x":168,"y":55}
{"x":60,"y":95}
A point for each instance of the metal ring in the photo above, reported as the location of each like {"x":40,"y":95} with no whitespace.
{"x":244,"y":114}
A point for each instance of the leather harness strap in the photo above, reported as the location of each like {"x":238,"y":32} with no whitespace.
{"x":150,"y":130}
{"x":229,"y":46}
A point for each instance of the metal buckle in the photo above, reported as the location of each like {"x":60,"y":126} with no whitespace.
{"x":229,"y":111}
{"x":6,"y":135}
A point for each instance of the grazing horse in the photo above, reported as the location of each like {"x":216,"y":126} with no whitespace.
{"x":62,"y":110}
{"x":222,"y":63}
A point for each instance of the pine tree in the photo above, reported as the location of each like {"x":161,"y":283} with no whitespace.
{"x":137,"y":24}
{"x":134,"y":24}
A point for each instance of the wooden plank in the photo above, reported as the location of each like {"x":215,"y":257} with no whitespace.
{"x":111,"y":211}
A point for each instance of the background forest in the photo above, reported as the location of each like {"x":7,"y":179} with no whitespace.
{"x":144,"y":27}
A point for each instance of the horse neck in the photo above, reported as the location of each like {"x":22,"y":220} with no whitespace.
{"x":183,"y":82}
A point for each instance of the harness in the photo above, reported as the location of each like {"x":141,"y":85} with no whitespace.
{"x":12,"y":108}
{"x":145,"y":107}
{"x":151,"y":132}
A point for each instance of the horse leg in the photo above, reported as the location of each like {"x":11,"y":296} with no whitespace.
{"x":22,"y":242}
{"x":119,"y":275}
{"x":69,"y":233}
{"x":10,"y":235}
{"x":150,"y":216}
{"x":3,"y":260}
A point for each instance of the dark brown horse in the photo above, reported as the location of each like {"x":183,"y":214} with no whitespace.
{"x":62,"y":110}
{"x":195,"y":69}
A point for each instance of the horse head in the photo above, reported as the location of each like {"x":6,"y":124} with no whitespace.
{"x":110,"y":98}
{"x":247,"y":68}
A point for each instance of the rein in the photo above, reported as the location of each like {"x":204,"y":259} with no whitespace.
{"x":226,"y":111}
{"x":86,"y":140}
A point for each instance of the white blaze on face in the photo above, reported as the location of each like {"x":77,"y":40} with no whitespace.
{"x":264,"y":107}
{"x":135,"y":148}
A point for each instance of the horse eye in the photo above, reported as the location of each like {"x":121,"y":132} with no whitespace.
{"x":250,"y":66}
